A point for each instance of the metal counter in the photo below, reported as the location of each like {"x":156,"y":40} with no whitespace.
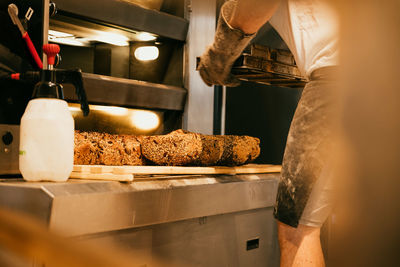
{"x":201,"y":220}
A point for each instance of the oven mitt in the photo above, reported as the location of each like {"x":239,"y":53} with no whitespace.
{"x":216,"y":62}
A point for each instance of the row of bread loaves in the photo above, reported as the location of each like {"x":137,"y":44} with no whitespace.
{"x":178,"y":148}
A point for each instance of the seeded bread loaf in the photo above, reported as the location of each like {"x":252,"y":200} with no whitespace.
{"x":213,"y":149}
{"x":181,"y":148}
{"x":185,"y":148}
{"x":93,"y":148}
{"x":171,"y":149}
{"x":86,"y":148}
{"x":238,"y":150}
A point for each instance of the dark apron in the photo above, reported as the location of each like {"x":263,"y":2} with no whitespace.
{"x":308,"y":146}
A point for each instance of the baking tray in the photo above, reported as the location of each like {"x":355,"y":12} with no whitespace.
{"x":269,"y":66}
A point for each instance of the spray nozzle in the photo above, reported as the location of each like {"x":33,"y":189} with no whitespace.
{"x":51,"y":51}
{"x":51,"y":80}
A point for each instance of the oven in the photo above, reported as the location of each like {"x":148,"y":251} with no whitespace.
{"x":130,"y":52}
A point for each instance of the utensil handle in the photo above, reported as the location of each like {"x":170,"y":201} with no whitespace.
{"x":32,"y":50}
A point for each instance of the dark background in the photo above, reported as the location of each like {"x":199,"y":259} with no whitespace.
{"x":261,"y":110}
{"x":15,"y":57}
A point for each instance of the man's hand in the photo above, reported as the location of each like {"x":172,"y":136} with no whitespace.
{"x":216,"y":62}
{"x":215,"y":68}
{"x":237,"y":24}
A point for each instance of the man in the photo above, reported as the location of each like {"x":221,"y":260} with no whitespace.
{"x":309,"y":28}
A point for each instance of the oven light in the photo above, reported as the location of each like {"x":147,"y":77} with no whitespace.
{"x":117,"y":111}
{"x":66,"y":38}
{"x":57,"y":34}
{"x":112,"y":38}
{"x":74,"y":109}
{"x":146,"y":53}
{"x":68,"y":41}
{"x":145,"y":36}
{"x":145,"y":120}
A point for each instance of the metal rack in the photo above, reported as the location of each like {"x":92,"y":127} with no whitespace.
{"x":268,"y":66}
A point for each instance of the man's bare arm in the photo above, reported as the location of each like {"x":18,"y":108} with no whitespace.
{"x":250,"y":15}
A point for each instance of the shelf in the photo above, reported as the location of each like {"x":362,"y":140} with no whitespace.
{"x":129,"y":93}
{"x":127,"y":16}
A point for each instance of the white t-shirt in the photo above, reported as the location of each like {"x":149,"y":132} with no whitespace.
{"x":310,"y":30}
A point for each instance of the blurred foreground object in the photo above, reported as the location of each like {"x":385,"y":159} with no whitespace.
{"x":29,"y":239}
{"x":368,"y":219}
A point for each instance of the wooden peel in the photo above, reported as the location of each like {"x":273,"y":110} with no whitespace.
{"x":127,"y":173}
{"x":102,"y":176}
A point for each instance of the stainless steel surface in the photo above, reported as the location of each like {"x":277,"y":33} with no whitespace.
{"x":9,"y":149}
{"x":185,"y":221}
{"x":87,"y":207}
{"x":128,"y":16}
{"x":200,"y":104}
{"x":132,"y":93}
{"x":219,"y":241}
{"x":34,"y":201}
{"x":211,"y":241}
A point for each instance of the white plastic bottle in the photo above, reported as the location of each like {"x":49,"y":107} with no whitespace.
{"x":47,"y":127}
{"x":46,"y":141}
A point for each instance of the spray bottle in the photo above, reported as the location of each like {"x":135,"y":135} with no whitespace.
{"x":47,"y":127}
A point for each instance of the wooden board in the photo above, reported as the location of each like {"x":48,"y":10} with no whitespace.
{"x":127,"y":173}
{"x":102,"y":176}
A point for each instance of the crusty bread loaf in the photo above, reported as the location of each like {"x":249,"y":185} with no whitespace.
{"x":186,"y":148}
{"x":239,"y":150}
{"x":86,"y":148}
{"x":92,"y":148}
{"x":213,"y":149}
{"x":180,"y":148}
{"x":176,"y":148}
